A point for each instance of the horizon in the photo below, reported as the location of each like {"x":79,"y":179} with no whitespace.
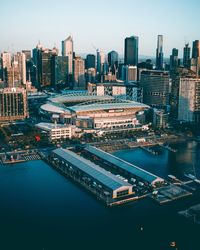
{"x":88,"y":27}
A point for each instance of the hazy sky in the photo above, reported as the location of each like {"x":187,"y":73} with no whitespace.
{"x":103,"y":23}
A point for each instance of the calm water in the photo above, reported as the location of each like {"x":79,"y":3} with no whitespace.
{"x":41,"y":209}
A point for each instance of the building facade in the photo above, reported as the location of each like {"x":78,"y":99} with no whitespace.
{"x":79,"y":73}
{"x":131,"y":51}
{"x":159,"y":53}
{"x":68,"y":50}
{"x":156,"y":87}
{"x":189,"y":100}
{"x":186,"y":56}
{"x":13,"y":104}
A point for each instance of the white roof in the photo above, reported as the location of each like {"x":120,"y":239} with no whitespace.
{"x":52,"y":108}
{"x":49,"y":126}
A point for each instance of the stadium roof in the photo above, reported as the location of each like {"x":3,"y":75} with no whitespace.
{"x":132,"y":169}
{"x":53,"y":108}
{"x":78,"y":97}
{"x":49,"y":126}
{"x":107,"y":179}
{"x":107,"y":105}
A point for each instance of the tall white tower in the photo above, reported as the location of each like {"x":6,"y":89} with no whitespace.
{"x":67,"y":50}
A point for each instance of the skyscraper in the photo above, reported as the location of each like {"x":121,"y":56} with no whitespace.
{"x":27,"y":54}
{"x":6,"y":64}
{"x":159,"y":53}
{"x":195,"y":61}
{"x":79,"y":73}
{"x":174,"y":62}
{"x":60,"y":68}
{"x":67,"y":50}
{"x":196,"y":49}
{"x":186,"y":56}
{"x":113,"y":61}
{"x":100,"y":64}
{"x":47,"y":69}
{"x":129,"y":73}
{"x":131,"y":51}
{"x":90,"y":61}
{"x":20,"y":59}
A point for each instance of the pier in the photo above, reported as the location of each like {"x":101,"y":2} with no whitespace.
{"x":19,"y":156}
{"x":168,"y":148}
{"x":149,"y":150}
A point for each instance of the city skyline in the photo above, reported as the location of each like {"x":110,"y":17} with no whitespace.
{"x":57,"y":22}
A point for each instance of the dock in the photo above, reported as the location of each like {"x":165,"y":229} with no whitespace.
{"x":149,"y":150}
{"x":19,"y":156}
{"x":168,"y":148}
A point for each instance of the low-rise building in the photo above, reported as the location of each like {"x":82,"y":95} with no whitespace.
{"x":57,"y":131}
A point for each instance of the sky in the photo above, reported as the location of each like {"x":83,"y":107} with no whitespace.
{"x":102,"y":24}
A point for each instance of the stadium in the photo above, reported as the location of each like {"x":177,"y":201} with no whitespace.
{"x":92,"y":112}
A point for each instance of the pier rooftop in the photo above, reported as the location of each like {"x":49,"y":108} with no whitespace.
{"x":125,"y":166}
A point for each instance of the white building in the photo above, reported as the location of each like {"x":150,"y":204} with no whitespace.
{"x":129,"y":73}
{"x":79,"y":73}
{"x":57,"y":131}
{"x":20,"y":64}
{"x":6,"y":60}
{"x":189,"y":99}
{"x":67,"y":50}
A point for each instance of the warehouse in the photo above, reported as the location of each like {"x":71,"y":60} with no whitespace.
{"x":98,"y":180}
{"x":124,"y":167}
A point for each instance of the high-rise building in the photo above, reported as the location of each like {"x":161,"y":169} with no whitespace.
{"x":189,"y":100}
{"x":91,"y":75}
{"x":174,"y":61}
{"x":98,"y":62}
{"x":27,"y":54}
{"x":131,"y":51}
{"x":79,"y":73}
{"x":47,"y":67}
{"x":156,"y":87}
{"x":175,"y":76}
{"x":60,"y":67}
{"x":6,"y":64}
{"x":113,"y":61}
{"x":90,"y":61}
{"x":196,"y":49}
{"x":129,"y":73}
{"x":195,"y":61}
{"x":68,"y":50}
{"x":159,"y":53}
{"x":6,"y":59}
{"x":13,"y":104}
{"x":102,"y":66}
{"x":37,"y":64}
{"x":186,"y":56}
{"x":20,"y":60}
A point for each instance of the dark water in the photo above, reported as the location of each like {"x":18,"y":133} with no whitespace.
{"x":41,"y":209}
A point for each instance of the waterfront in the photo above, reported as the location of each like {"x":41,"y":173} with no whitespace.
{"x":41,"y":209}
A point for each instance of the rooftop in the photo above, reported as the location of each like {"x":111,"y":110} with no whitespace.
{"x":78,"y":97}
{"x":50,"y":126}
{"x":137,"y":171}
{"x":96,"y":172}
{"x":53,"y":108}
{"x":115,"y":104}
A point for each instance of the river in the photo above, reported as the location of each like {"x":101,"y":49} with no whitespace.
{"x":41,"y":209}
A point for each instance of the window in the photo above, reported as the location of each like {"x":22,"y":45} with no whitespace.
{"x":122,"y":193}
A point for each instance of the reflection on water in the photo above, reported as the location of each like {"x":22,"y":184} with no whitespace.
{"x":41,"y":209}
{"x":184,"y":161}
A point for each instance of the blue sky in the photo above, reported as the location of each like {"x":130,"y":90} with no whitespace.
{"x":103,"y":23}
